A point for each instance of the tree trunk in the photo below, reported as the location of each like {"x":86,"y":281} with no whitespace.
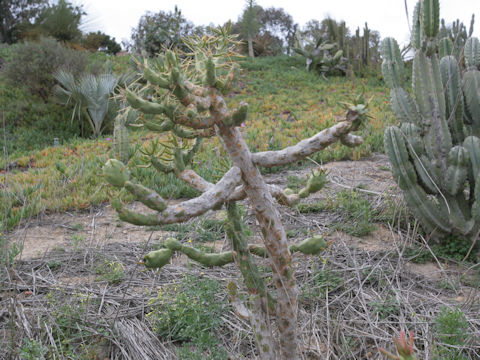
{"x":274,"y":237}
{"x":250,"y":46}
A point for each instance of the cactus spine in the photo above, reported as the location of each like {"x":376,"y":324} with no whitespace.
{"x":195,"y":109}
{"x":435,"y":153}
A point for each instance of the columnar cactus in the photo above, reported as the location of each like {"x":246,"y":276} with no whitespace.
{"x":186,"y":97}
{"x":435,"y":153}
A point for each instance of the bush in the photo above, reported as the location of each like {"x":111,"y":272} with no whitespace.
{"x":27,"y":123}
{"x":32,"y":64}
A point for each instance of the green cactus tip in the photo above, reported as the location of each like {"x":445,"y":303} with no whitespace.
{"x":316,"y":182}
{"x":311,"y":246}
{"x":116,"y":173}
{"x":157,"y":259}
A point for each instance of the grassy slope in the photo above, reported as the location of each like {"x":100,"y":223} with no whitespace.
{"x":286,"y":105}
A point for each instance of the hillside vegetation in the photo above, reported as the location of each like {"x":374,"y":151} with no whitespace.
{"x":286,"y":104}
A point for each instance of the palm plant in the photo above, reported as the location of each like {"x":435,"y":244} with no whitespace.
{"x":91,"y":95}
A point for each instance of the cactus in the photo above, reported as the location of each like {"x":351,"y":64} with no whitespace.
{"x":457,"y":36}
{"x":194,"y":109}
{"x":320,"y":55}
{"x":364,"y":55}
{"x":435,"y":153}
{"x":121,"y":144}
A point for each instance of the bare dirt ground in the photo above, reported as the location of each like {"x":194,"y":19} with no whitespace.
{"x":373,"y":291}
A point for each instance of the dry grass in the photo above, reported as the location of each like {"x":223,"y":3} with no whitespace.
{"x":352,"y":301}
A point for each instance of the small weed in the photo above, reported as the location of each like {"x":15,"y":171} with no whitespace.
{"x":54,"y":264}
{"x":384,"y":168}
{"x":110,"y":271}
{"x":10,"y":253}
{"x":77,"y":226}
{"x":307,"y":208}
{"x":451,"y":328}
{"x":357,"y":208}
{"x":291,"y":233}
{"x":33,"y":350}
{"x":68,"y":319}
{"x":452,"y":248}
{"x":58,"y":248}
{"x":417,"y":254}
{"x":205,"y":230}
{"x":190,"y":312}
{"x":471,"y":280}
{"x":386,"y":307}
{"x":77,"y":240}
{"x":323,"y":281}
{"x":295,"y":183}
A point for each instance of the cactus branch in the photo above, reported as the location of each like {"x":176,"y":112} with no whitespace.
{"x":310,"y":146}
{"x":186,"y":210}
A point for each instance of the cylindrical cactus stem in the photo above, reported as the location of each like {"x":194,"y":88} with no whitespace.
{"x":430,"y":17}
{"x":160,"y":166}
{"x":156,"y":79}
{"x":471,"y":52}
{"x":430,"y":99}
{"x":146,"y":196}
{"x":417,"y":34}
{"x":471,"y":92}
{"x":164,"y":126}
{"x":134,"y":217}
{"x":316,"y":181}
{"x":157,"y":259}
{"x":310,"y":246}
{"x":188,"y":154}
{"x":261,"y":303}
{"x":392,"y":65}
{"x":403,"y":172}
{"x":121,"y":143}
{"x":452,"y":83}
{"x":404,"y":107}
{"x":116,"y":173}
{"x":184,"y":133}
{"x":206,"y":259}
{"x":445,"y":47}
{"x":430,"y":214}
{"x":456,"y":176}
{"x":428,"y":174}
{"x":146,"y":107}
{"x":210,"y":72}
{"x":472,"y":144}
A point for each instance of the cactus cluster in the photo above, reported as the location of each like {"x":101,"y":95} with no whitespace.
{"x":320,"y":55}
{"x":435,"y":152}
{"x":455,"y":36}
{"x":185,"y":97}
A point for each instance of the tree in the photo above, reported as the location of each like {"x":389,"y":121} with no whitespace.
{"x":17,"y":13}
{"x":95,"y":41}
{"x":277,"y":23}
{"x":161,"y":30}
{"x":250,"y":24}
{"x":61,"y":21}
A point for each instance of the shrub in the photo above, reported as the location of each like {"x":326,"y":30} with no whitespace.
{"x":27,"y":123}
{"x":32,"y":64}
